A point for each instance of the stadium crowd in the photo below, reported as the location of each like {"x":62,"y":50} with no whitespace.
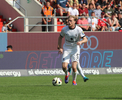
{"x":95,"y":15}
{"x":8,"y":28}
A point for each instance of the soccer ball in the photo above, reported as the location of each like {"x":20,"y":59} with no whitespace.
{"x":57,"y":81}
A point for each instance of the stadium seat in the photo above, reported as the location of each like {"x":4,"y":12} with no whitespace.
{"x":0,"y":19}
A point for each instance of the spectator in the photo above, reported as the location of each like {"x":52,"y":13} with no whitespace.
{"x":68,"y":3}
{"x":74,"y":1}
{"x":10,"y":26}
{"x":101,"y":23}
{"x":83,"y":10}
{"x":116,"y":2}
{"x":97,"y":11}
{"x":83,"y":21}
{"x":81,"y":2}
{"x":103,"y":4}
{"x":93,"y":21}
{"x":4,"y":28}
{"x":113,"y":22}
{"x":94,"y":2}
{"x":111,"y":2}
{"x":97,"y":1}
{"x":53,"y":3}
{"x":120,"y":19}
{"x":108,"y":11}
{"x":47,"y":11}
{"x":61,"y":5}
{"x":42,"y":2}
{"x":9,"y":48}
{"x":118,"y":9}
{"x":90,"y":9}
{"x":73,"y":11}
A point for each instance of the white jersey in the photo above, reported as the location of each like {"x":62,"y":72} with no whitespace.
{"x":93,"y":21}
{"x":72,"y":36}
{"x":97,"y":13}
{"x":4,"y":28}
{"x":73,"y":12}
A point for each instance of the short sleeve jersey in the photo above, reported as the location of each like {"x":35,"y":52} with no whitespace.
{"x":101,"y":23}
{"x":72,"y":36}
{"x":109,"y":11}
{"x":81,"y":11}
{"x":93,"y":21}
{"x":97,"y":13}
{"x":73,"y":12}
{"x":4,"y":29}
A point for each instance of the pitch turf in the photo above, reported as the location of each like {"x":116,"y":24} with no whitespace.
{"x":98,"y":87}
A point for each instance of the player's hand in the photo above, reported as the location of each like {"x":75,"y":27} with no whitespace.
{"x":79,"y":43}
{"x":60,"y":51}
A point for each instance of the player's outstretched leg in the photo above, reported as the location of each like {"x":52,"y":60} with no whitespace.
{"x":81,"y":72}
{"x":85,"y":79}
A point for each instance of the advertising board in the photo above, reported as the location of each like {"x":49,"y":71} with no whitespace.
{"x":49,"y":62}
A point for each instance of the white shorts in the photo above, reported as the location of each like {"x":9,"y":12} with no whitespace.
{"x":73,"y":54}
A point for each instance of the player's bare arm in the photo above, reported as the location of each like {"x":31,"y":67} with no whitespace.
{"x":82,"y":41}
{"x":59,"y":45}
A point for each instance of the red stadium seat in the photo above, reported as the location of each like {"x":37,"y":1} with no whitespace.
{"x":1,"y":23}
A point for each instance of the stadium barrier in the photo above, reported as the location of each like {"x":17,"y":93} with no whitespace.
{"x":54,"y":23}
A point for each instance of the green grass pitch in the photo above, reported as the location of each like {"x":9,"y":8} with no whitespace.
{"x":98,"y":87}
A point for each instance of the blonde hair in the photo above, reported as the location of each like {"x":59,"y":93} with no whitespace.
{"x":71,"y":16}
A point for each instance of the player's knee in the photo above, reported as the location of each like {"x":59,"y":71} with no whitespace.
{"x":74,"y":69}
{"x":74,"y":66}
{"x":64,"y":66}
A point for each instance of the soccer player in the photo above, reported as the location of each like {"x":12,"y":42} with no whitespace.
{"x":78,"y":65}
{"x":71,"y":47}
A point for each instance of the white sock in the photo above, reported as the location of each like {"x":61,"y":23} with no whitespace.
{"x":66,"y":72}
{"x":74,"y":75}
{"x":80,"y":70}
